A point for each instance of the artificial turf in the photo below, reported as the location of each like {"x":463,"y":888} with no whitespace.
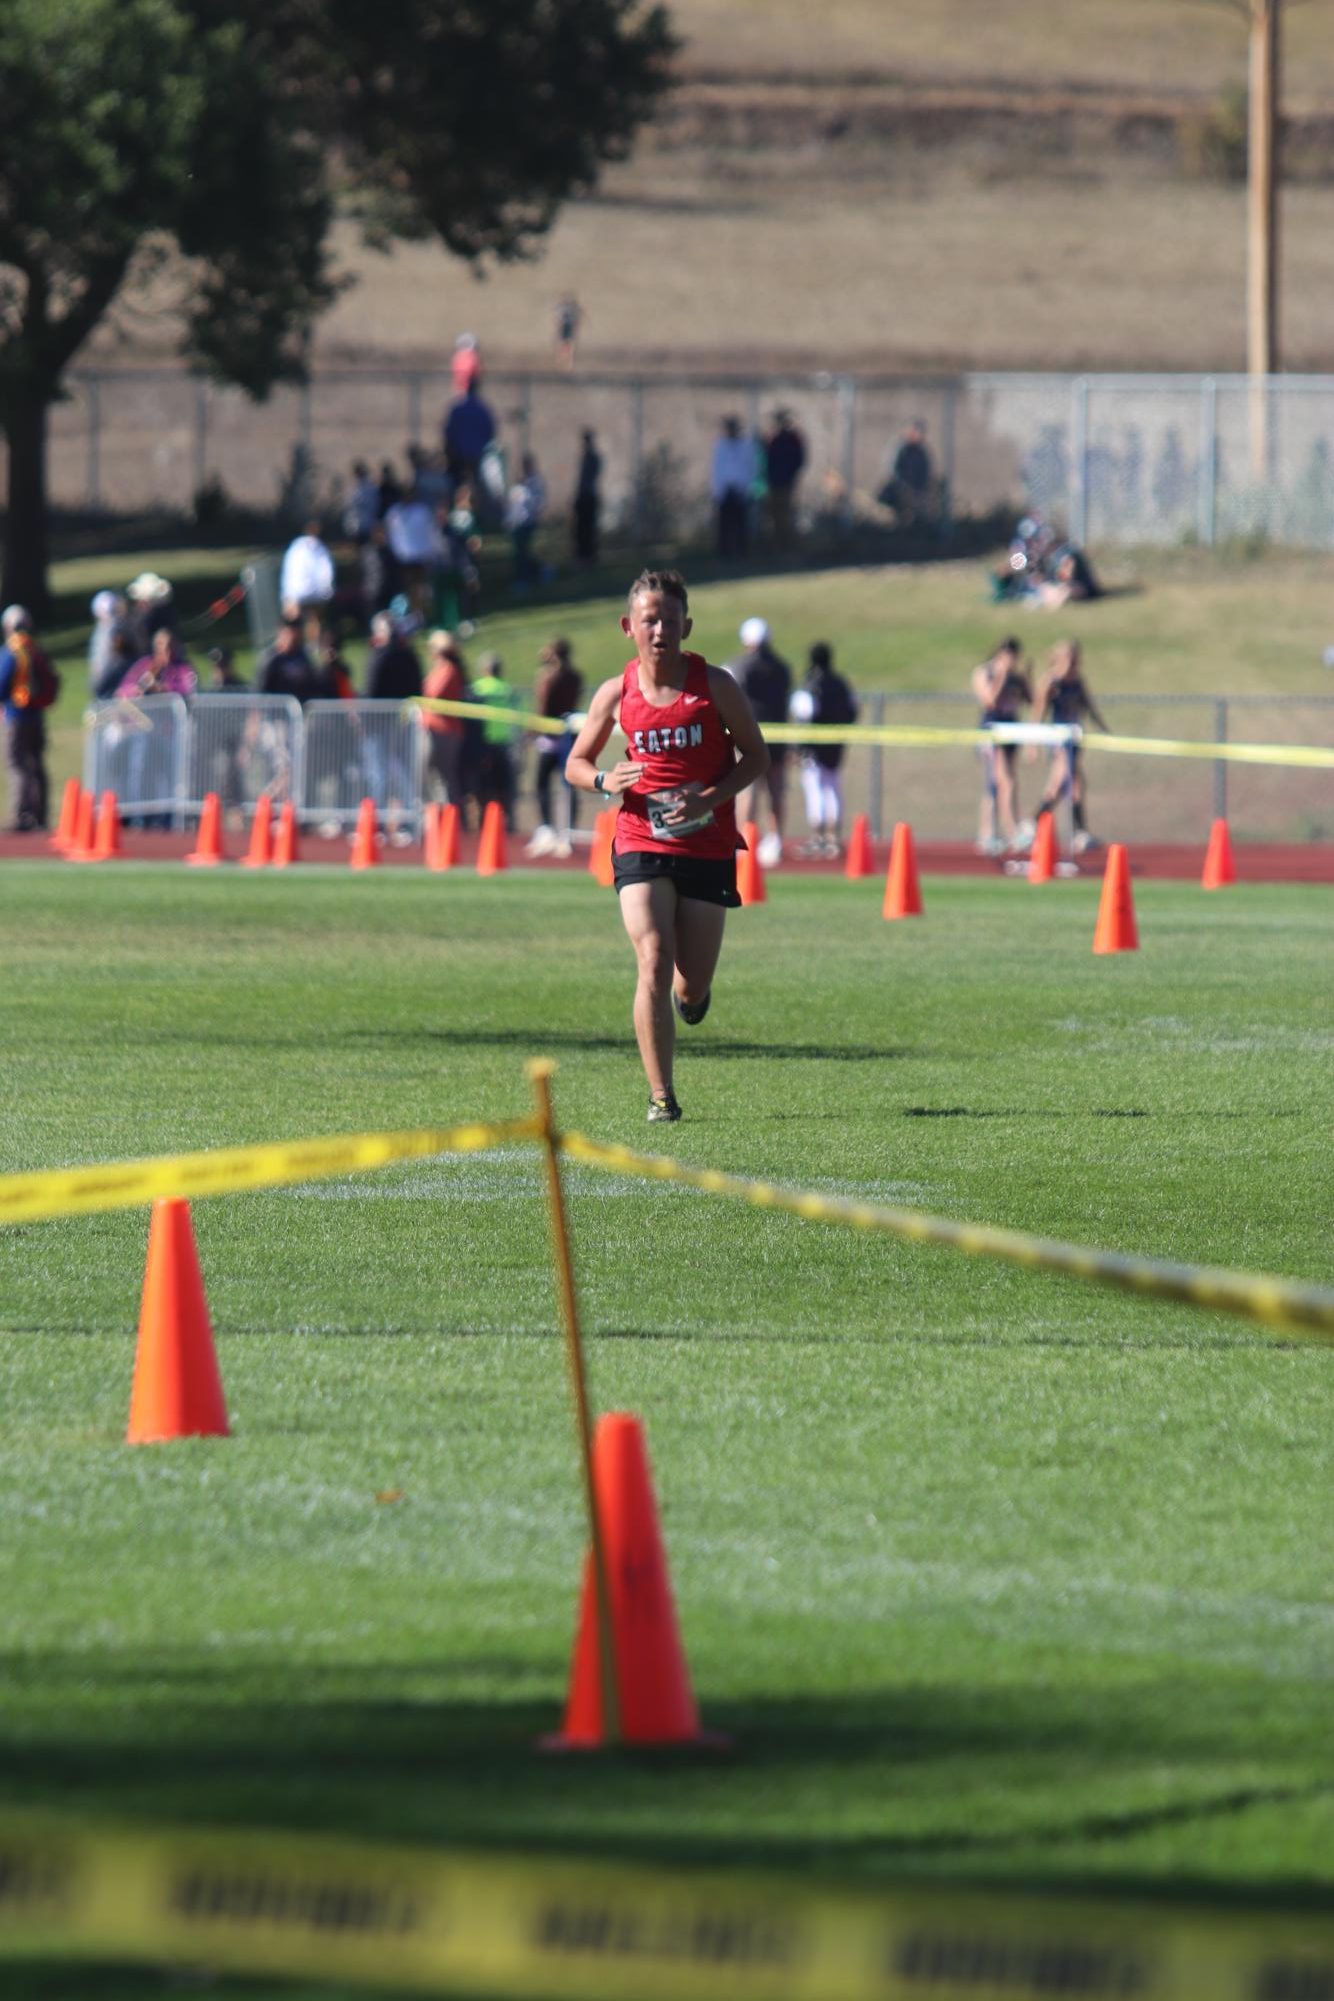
{"x":992,"y":1576}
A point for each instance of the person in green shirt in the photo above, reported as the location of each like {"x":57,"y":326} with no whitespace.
{"x":495,"y":762}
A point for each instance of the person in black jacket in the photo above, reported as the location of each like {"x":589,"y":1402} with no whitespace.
{"x":285,"y":669}
{"x":766,"y":681}
{"x":824,"y":698}
{"x":393,"y":676}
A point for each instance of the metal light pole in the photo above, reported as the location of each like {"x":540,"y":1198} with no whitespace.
{"x":1262,"y":224}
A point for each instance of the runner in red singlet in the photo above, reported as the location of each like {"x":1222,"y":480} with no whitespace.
{"x":692,"y":745}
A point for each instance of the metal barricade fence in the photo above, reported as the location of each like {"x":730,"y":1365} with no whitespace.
{"x":161,"y":754}
{"x":243,"y":746}
{"x":140,"y":751}
{"x":939,"y":791}
{"x":362,"y":750}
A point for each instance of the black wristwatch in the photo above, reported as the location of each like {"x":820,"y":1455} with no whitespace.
{"x":599,"y":781}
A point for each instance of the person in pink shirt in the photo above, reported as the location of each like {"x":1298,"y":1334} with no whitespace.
{"x":446,"y":681}
{"x":466,"y":364}
{"x":162,"y":671}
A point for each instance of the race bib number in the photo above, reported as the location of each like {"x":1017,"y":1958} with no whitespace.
{"x":660,"y":803}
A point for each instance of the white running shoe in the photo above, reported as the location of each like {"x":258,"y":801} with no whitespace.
{"x":542,"y":843}
{"x":770,"y":850}
{"x":1023,"y":837}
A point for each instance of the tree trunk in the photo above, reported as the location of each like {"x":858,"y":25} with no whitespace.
{"x":25,"y":522}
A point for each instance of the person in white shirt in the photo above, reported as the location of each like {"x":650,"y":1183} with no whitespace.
{"x":731,"y":477}
{"x":523,"y":512}
{"x":416,"y":544}
{"x":306,"y":587}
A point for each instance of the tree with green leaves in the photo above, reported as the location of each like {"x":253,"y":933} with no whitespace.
{"x":225,"y":128}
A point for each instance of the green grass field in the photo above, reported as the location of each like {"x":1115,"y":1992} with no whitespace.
{"x":994,"y":1577}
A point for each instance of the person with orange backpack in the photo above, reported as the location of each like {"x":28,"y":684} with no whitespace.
{"x":29,"y":685}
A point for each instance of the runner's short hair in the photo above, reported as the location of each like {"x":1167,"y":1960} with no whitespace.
{"x":670,"y":583}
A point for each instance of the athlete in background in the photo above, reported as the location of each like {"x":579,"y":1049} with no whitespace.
{"x":1064,"y":697}
{"x":692,"y":746}
{"x":1002,"y":688}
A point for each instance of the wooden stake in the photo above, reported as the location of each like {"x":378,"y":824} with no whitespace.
{"x":541,"y":1071}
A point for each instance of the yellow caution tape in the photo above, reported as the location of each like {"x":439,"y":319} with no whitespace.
{"x":1272,"y":1302}
{"x":924,"y":737}
{"x":912,"y":736}
{"x":591,"y":1931}
{"x":491,"y":712}
{"x":122,"y":711}
{"x":76,"y":1191}
{"x":1230,"y":753}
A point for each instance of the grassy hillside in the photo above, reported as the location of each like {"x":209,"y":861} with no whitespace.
{"x":887,"y":187}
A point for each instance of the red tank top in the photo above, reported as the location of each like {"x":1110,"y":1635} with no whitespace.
{"x":682,"y":744}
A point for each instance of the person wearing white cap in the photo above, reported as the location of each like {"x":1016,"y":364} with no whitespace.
{"x":152,"y":608}
{"x":766,"y":680}
{"x":108,"y":609}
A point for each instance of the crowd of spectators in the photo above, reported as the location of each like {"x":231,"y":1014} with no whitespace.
{"x":403,"y":561}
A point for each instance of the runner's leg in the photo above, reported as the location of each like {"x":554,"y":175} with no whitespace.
{"x":699,"y":940}
{"x":649,"y":913}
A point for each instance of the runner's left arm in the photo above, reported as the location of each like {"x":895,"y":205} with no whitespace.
{"x":752,"y":751}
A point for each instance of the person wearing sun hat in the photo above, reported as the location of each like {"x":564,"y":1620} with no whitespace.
{"x":766,"y":680}
{"x":152,"y":607}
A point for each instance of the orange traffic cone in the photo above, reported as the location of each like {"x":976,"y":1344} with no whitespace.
{"x":491,"y":853}
{"x":860,"y":860}
{"x":903,"y":897}
{"x":177,"y":1389}
{"x":63,"y":838}
{"x":81,"y":847}
{"x":652,"y":1679}
{"x":261,"y":834}
{"x":287,"y":841}
{"x":208,"y":841}
{"x":749,"y":874}
{"x":430,"y":831}
{"x":363,"y":844}
{"x":1042,"y":861}
{"x":1116,"y":911}
{"x":601,"y":861}
{"x":106,"y":845}
{"x":447,"y":840}
{"x":1219,"y":868}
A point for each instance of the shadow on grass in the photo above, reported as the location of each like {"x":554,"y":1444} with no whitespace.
{"x":537,"y":1043}
{"x":941,"y":1782}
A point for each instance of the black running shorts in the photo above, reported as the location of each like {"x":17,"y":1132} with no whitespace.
{"x":700,"y":880}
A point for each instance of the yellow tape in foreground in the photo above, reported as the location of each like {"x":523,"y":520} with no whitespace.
{"x":78,"y":1191}
{"x":590,"y":1931}
{"x":1273,"y":1302}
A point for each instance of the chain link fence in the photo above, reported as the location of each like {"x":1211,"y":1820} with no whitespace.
{"x":1129,"y":459}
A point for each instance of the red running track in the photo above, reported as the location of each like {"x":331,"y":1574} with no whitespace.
{"x":1159,"y":861}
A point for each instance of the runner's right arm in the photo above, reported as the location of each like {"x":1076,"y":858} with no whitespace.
{"x":581,"y":766}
